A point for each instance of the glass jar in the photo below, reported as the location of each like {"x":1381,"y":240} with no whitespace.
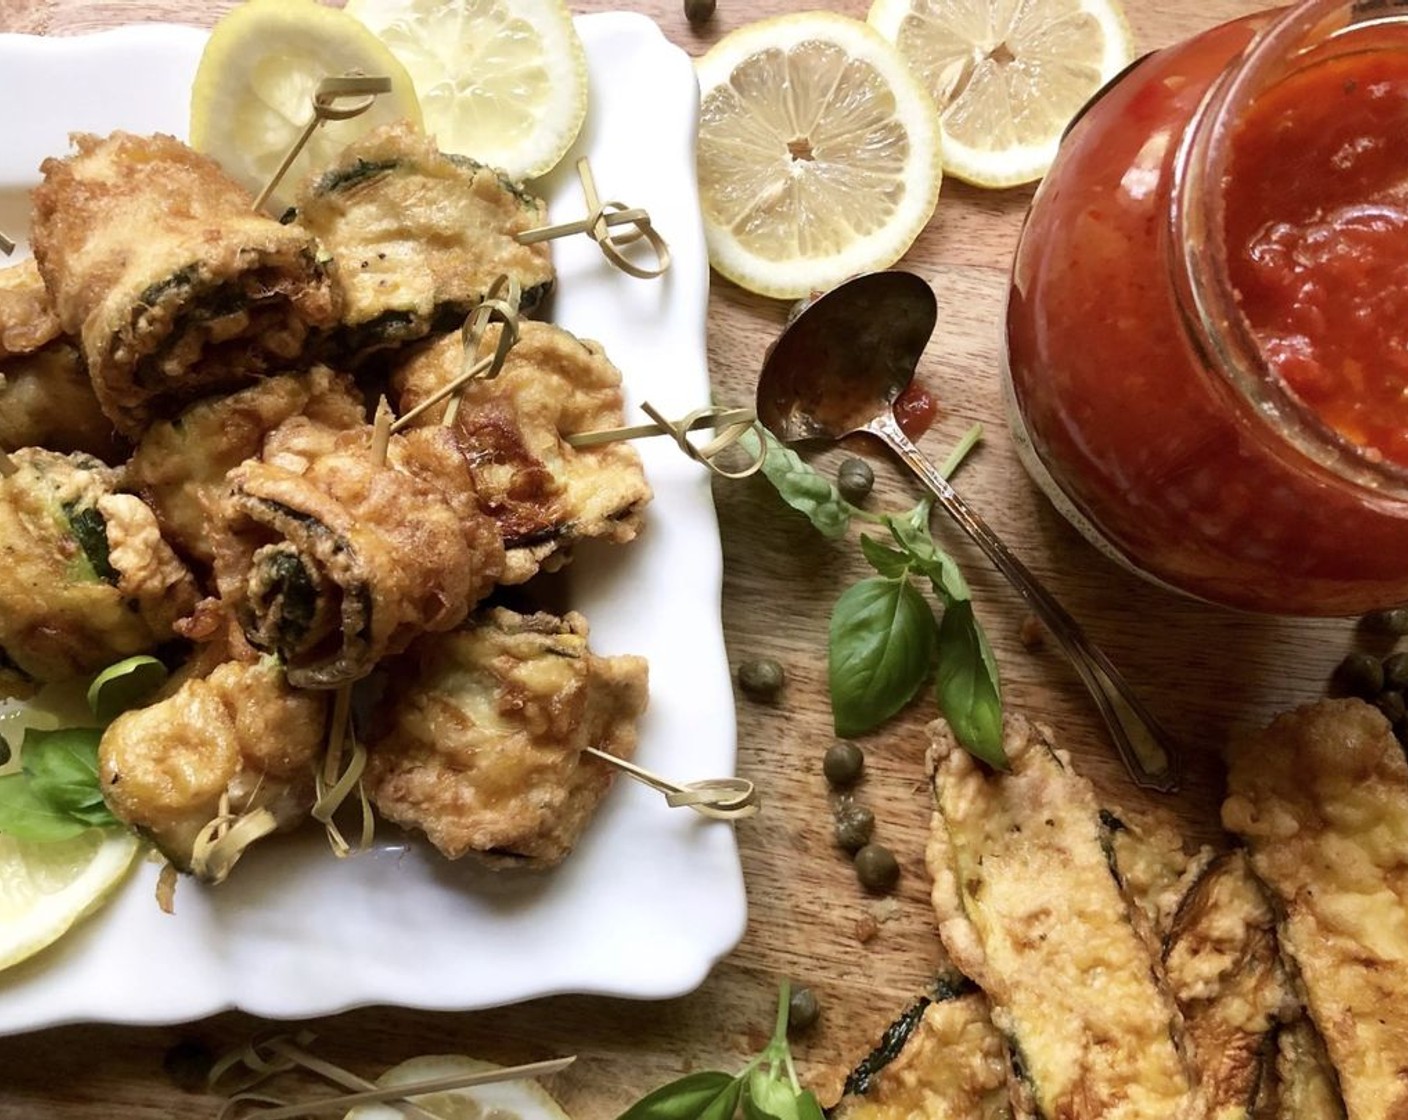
{"x":1207,"y":329}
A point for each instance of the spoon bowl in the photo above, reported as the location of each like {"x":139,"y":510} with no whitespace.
{"x":837,"y":370}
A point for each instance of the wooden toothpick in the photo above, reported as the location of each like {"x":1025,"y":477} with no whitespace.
{"x":729,"y":423}
{"x":7,"y":246}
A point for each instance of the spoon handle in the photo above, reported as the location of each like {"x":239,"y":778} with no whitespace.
{"x":1146,"y":749}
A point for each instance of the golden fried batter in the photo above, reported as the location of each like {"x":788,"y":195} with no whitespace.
{"x":28,"y":321}
{"x":483,"y":737}
{"x":85,"y":577}
{"x":335,"y":561}
{"x":1306,"y":1087}
{"x":1029,"y":908}
{"x":180,"y":466}
{"x":240,"y":733}
{"x":177,"y":288}
{"x":1321,"y":798}
{"x":46,"y":400}
{"x":543,"y":493}
{"x":417,"y":238}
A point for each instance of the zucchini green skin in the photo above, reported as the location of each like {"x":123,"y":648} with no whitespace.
{"x":90,"y":529}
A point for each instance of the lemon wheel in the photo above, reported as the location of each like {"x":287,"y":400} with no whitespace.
{"x":501,"y":81}
{"x":503,"y":1100}
{"x":1007,"y":78}
{"x":818,"y":153}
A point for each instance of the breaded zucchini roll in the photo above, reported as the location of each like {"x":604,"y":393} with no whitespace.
{"x":85,"y":577}
{"x":482,"y":732}
{"x":157,"y":261}
{"x":231,"y":743}
{"x":418,"y":237}
{"x":543,"y":493}
{"x":180,"y":465}
{"x":333,"y":560}
{"x":46,"y":399}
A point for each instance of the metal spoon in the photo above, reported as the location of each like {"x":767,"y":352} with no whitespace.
{"x":837,"y":370}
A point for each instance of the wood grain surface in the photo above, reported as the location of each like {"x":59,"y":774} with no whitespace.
{"x":1206,"y":673}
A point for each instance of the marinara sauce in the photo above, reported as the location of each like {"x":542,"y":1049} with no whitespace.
{"x":1207,"y":333}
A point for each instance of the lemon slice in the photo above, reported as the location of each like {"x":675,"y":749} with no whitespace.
{"x":46,"y":888}
{"x":503,"y":1100}
{"x":1008,"y":78}
{"x":253,"y":91}
{"x":501,"y":81}
{"x":818,"y":153}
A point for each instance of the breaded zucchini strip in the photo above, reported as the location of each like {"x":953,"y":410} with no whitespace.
{"x":941,"y":1060}
{"x":417,"y":238}
{"x":1321,"y":798}
{"x":1029,"y":907}
{"x":1306,"y":1088}
{"x":1223,"y":964}
{"x":157,"y":261}
{"x":28,"y":321}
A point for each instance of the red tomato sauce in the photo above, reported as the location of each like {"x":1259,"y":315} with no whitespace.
{"x":1140,"y":438}
{"x":916,"y":410}
{"x":1317,"y":211}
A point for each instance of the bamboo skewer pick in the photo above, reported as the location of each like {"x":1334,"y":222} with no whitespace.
{"x":330,"y":90}
{"x":7,"y":246}
{"x":730,"y":423}
{"x":720,"y":799}
{"x":601,"y":218}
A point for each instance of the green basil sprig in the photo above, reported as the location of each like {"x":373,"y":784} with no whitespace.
{"x":125,"y":685}
{"x":57,"y":794}
{"x":884,"y":640}
{"x":766,"y":1088}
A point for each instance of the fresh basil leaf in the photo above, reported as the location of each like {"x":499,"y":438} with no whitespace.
{"x":800,"y":486}
{"x":125,"y":685}
{"x":808,"y":1107}
{"x":62,"y":768}
{"x":25,"y":817}
{"x":725,"y":1104}
{"x":889,"y":562}
{"x":880,"y":651}
{"x":969,"y":694}
{"x":912,"y":534}
{"x":769,"y":1098}
{"x":688,"y":1098}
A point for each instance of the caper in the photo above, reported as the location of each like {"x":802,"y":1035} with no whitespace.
{"x":1360,"y":674}
{"x":698,"y":11}
{"x":1392,"y":621}
{"x":855,"y":824}
{"x":1393,"y":706}
{"x":842,"y":764}
{"x":802,"y":1010}
{"x":761,"y":678}
{"x":855,"y":480}
{"x":5,"y":752}
{"x":1396,"y":671}
{"x":188,"y":1065}
{"x":876,"y":868}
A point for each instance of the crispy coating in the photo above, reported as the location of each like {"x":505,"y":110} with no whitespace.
{"x":1223,"y":965}
{"x":28,"y":321}
{"x":85,"y":577}
{"x":481,"y":747}
{"x":1306,"y":1087}
{"x":46,"y":400}
{"x":1029,"y":908}
{"x":177,"y":288}
{"x":180,"y":466}
{"x":543,"y":493}
{"x":335,"y":561}
{"x":1321,"y":798}
{"x":952,"y":1066}
{"x":241,"y":732}
{"x":418,"y":238}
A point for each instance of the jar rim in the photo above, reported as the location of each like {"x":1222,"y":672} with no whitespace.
{"x":1202,"y":282}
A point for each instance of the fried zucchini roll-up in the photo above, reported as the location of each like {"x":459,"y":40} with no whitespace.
{"x":1224,"y":967}
{"x":334,"y":561}
{"x":180,"y":466}
{"x":28,"y":321}
{"x":418,"y":238}
{"x":1321,"y":798}
{"x":482,"y":732}
{"x":1029,"y":907}
{"x":235,"y":741}
{"x":941,"y":1060}
{"x":85,"y":577}
{"x":177,"y":288}
{"x":543,"y":493}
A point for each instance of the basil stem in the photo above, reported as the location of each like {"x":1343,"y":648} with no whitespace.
{"x":880,"y":652}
